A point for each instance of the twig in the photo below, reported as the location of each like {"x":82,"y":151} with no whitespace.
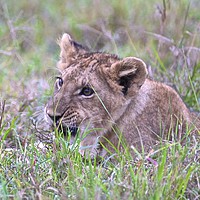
{"x":161,"y":38}
{"x":163,"y":12}
{"x":7,"y":53}
{"x":2,"y":113}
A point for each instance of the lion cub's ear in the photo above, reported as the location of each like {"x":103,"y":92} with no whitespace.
{"x":130,"y":72}
{"x":69,"y":49}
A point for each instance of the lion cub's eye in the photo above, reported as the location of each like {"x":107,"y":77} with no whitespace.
{"x":59,"y":82}
{"x":87,"y":91}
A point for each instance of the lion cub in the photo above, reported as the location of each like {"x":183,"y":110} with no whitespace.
{"x":102,"y":98}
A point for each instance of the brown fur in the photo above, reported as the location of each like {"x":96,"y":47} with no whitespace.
{"x":124,"y":101}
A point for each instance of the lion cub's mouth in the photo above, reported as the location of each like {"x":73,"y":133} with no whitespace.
{"x":67,"y":130}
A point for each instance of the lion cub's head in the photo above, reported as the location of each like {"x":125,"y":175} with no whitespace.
{"x":92,"y":91}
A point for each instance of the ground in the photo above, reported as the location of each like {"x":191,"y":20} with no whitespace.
{"x":165,"y":34}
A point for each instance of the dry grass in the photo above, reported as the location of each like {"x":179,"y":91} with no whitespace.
{"x":166,"y":34}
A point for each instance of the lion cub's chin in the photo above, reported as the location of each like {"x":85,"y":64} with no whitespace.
{"x":91,"y":148}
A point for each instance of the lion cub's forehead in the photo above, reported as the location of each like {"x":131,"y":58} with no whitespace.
{"x":88,"y":63}
{"x":90,"y":60}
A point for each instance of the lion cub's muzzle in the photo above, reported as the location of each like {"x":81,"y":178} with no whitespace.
{"x":58,"y":123}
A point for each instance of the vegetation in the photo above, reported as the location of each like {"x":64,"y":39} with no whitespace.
{"x":166,"y":34}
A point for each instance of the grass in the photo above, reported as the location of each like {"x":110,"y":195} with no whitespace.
{"x":163,"y":33}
